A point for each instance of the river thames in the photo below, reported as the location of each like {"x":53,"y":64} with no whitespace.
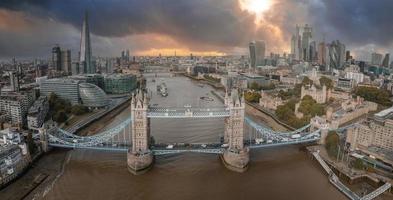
{"x":274,"y":173}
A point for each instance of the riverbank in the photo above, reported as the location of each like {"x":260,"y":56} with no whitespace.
{"x":215,"y":85}
{"x":36,"y":179}
{"x":352,"y":182}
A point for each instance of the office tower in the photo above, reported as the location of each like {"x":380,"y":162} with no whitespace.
{"x":75,"y":68}
{"x":376,"y":59}
{"x":306,"y":38}
{"x":14,"y":81}
{"x":252,"y":47}
{"x":298,"y":43}
{"x":56,"y":58}
{"x":66,"y":61}
{"x":85,"y":48}
{"x":386,"y":59}
{"x":260,"y":52}
{"x":128,"y":55}
{"x":296,"y":47}
{"x":362,"y":66}
{"x":336,"y":55}
{"x":313,"y":51}
{"x":322,"y":53}
{"x":348,"y":55}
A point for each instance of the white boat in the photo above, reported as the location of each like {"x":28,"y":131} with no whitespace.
{"x":169,"y":146}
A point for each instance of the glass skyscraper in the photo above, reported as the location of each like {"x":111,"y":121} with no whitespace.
{"x":85,"y":59}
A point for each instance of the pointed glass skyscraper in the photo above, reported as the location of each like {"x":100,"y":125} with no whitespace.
{"x":85,"y":58}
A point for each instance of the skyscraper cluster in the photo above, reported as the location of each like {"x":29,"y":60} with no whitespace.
{"x":304,"y":48}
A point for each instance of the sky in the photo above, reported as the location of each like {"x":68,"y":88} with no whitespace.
{"x":29,"y":29}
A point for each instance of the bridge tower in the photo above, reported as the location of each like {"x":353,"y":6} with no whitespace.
{"x":236,"y":156}
{"x":139,"y":156}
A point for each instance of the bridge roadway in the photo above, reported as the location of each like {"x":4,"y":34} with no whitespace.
{"x":157,"y":112}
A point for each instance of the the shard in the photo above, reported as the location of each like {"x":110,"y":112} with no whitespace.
{"x":85,"y":58}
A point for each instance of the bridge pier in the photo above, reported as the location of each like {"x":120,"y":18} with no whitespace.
{"x":139,"y":157}
{"x":236,"y":160}
{"x":236,"y":157}
{"x":139,"y":163}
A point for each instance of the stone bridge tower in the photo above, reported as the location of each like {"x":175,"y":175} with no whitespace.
{"x":236,"y":156}
{"x":139,"y":156}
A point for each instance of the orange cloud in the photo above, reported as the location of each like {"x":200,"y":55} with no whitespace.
{"x":13,"y":21}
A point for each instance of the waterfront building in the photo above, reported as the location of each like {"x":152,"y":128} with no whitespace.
{"x":85,"y":59}
{"x":120,"y":83}
{"x":92,"y":96}
{"x":96,"y":79}
{"x":374,"y":136}
{"x":67,"y":89}
{"x":13,"y":160}
{"x":37,"y":113}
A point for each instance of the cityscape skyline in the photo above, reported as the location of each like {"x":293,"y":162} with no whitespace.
{"x":218,"y":28}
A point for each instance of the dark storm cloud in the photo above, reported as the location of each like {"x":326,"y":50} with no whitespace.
{"x":212,"y":22}
{"x":200,"y":25}
{"x":358,"y":22}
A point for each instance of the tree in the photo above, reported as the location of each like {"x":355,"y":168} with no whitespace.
{"x":60,"y":116}
{"x":331,"y":144}
{"x":79,"y":110}
{"x":326,"y":81}
{"x":358,"y":164}
{"x":307,"y":81}
{"x":252,"y":96}
{"x":255,"y":86}
{"x":376,"y":95}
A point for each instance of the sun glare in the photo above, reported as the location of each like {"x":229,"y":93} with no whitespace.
{"x":257,"y":7}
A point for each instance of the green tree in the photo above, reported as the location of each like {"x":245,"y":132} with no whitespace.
{"x":255,"y":86}
{"x":79,"y":110}
{"x":60,"y":116}
{"x":307,"y":81}
{"x":358,"y":164}
{"x":376,"y":95}
{"x":326,"y":81}
{"x":331,"y":144}
{"x":252,"y":96}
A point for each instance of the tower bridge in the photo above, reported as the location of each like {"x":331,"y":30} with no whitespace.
{"x":234,"y":149}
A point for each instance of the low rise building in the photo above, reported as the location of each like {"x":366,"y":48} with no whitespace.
{"x":319,"y":95}
{"x":14,"y":155}
{"x":37,"y":113}
{"x":350,"y":109}
{"x":270,"y":102}
{"x":15,"y":107}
